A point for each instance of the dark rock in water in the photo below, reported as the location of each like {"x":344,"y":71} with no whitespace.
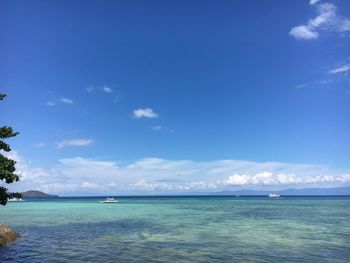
{"x":7,"y":235}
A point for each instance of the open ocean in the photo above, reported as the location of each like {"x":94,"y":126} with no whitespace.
{"x":180,"y":229}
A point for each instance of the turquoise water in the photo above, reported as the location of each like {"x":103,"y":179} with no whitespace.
{"x":180,"y":229}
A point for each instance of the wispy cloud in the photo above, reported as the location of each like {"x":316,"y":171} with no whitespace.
{"x":75,"y":142}
{"x":89,"y":88}
{"x":144,"y":113}
{"x":50,"y":103}
{"x":161,"y":128}
{"x":327,"y":20}
{"x":39,"y":145}
{"x":66,"y":100}
{"x":63,"y":100}
{"x":107,"y":89}
{"x":314,"y":83}
{"x":104,"y":88}
{"x":340,"y":69}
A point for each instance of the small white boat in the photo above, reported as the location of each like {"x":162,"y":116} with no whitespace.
{"x":15,"y":200}
{"x":109,"y":200}
{"x":274,"y":195}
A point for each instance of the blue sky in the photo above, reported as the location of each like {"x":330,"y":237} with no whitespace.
{"x":131,"y":97}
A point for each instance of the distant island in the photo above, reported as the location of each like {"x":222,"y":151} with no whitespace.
{"x":34,"y":193}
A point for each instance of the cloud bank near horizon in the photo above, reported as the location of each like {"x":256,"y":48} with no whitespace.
{"x":78,"y":175}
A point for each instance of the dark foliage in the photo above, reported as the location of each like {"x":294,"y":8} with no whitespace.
{"x":7,"y":166}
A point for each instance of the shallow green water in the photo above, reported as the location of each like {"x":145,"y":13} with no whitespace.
{"x":181,"y":229}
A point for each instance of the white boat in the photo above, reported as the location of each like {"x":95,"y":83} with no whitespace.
{"x":109,"y":200}
{"x":15,"y":200}
{"x":274,"y":195}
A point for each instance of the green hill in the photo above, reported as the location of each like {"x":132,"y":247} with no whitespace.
{"x":34,"y":193}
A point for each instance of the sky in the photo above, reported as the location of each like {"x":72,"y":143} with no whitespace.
{"x":162,"y":97}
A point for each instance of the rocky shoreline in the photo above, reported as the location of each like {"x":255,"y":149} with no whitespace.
{"x":7,"y":235}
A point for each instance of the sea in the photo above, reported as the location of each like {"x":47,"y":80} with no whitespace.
{"x":179,"y":229}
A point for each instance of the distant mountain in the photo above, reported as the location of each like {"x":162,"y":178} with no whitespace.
{"x":304,"y":191}
{"x":33,"y":193}
{"x":317,"y":191}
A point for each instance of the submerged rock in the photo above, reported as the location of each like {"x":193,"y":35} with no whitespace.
{"x":7,"y":235}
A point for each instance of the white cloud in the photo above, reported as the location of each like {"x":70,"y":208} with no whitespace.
{"x":189,"y":186}
{"x":312,"y":2}
{"x":27,"y":172}
{"x":290,"y":179}
{"x":199,"y":185}
{"x":50,"y":103}
{"x":345,"y":25}
{"x":87,"y":168}
{"x":144,"y":113}
{"x":107,"y":89}
{"x":66,"y":100}
{"x":75,"y":142}
{"x":341,"y":69}
{"x":144,"y":185}
{"x":303,"y":32}
{"x":154,"y":175}
{"x":327,"y":19}
{"x":69,"y":175}
{"x":88,"y":185}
